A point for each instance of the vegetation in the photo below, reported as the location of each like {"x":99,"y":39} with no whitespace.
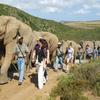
{"x":84,"y":25}
{"x":62,"y":31}
{"x":82,"y":79}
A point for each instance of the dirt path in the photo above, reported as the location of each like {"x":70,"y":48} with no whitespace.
{"x":28,"y":91}
{"x":90,"y":96}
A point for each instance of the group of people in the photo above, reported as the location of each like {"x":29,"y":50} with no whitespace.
{"x":90,"y":53}
{"x":40,"y":57}
{"x":66,"y":60}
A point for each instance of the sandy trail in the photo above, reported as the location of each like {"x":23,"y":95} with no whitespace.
{"x":29,"y":91}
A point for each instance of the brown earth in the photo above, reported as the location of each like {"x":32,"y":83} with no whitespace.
{"x":90,"y":96}
{"x":28,"y":91}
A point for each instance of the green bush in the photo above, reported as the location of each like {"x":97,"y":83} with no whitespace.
{"x":90,"y":73}
{"x":83,"y":78}
{"x":69,"y":88}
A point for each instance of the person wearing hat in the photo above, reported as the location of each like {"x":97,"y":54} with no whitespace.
{"x":21,"y":51}
{"x":95,"y":53}
{"x":98,"y":49}
{"x":88,"y":52}
{"x":40,"y":57}
{"x":80,"y":54}
{"x":59,"y":58}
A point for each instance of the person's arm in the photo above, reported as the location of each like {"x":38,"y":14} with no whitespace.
{"x":33,"y":55}
{"x":15,"y":53}
{"x":48,"y":56}
{"x":73,"y":51}
{"x":27,"y":54}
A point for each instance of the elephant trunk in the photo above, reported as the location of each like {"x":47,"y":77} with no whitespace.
{"x":6,"y":64}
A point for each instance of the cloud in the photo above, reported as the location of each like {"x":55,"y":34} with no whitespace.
{"x":98,"y":14}
{"x":52,"y":6}
{"x":96,"y":5}
{"x":57,"y":5}
{"x":42,"y":5}
{"x":81,"y":11}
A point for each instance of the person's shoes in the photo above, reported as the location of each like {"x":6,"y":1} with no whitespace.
{"x":55,"y":70}
{"x":46,"y":78}
{"x":20,"y":83}
{"x":24,"y":78}
{"x":64,"y":70}
{"x":43,"y":83}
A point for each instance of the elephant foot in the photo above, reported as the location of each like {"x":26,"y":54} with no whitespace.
{"x":3,"y":79}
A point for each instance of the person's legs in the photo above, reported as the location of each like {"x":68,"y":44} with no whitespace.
{"x":22,"y":69}
{"x":40,"y":76}
{"x":80,"y":59}
{"x":56,"y":63}
{"x":45,"y":72}
{"x":68,"y":67}
{"x":19,"y":66}
{"x":72,"y":59}
{"x":62,"y":64}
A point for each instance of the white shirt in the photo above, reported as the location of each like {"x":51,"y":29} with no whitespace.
{"x":88,"y":50}
{"x":70,"y":52}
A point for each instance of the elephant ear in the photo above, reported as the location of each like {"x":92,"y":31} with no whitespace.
{"x":11,"y":31}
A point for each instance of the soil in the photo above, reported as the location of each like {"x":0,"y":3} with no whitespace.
{"x":29,"y":90}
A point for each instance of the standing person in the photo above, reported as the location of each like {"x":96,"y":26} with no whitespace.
{"x":80,"y":54}
{"x":95,"y":53}
{"x":42,"y":57}
{"x":69,"y":56}
{"x":59,"y":58}
{"x":21,"y":51}
{"x":47,"y":57}
{"x":88,"y":52}
{"x":98,"y":51}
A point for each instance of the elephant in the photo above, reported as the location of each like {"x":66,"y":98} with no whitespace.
{"x":97,"y":43}
{"x":66,"y":43}
{"x":10,"y":29}
{"x":51,"y":39}
{"x":90,"y":43}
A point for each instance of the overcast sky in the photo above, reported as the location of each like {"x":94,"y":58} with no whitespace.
{"x":67,"y":10}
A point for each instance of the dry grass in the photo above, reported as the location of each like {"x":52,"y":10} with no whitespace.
{"x":84,"y":25}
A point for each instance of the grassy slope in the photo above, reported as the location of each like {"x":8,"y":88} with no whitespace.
{"x":62,"y":31}
{"x":84,"y":25}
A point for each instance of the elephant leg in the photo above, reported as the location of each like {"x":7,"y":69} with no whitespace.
{"x":53,"y":56}
{"x":6,"y":64}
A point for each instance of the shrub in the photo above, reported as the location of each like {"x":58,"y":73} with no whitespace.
{"x":83,"y":78}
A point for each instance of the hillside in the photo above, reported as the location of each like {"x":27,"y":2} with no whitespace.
{"x":84,"y":24}
{"x":62,"y":31}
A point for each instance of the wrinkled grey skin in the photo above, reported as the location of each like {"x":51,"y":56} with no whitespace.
{"x":9,"y":27}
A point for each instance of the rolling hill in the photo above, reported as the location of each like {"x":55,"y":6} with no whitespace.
{"x":84,"y":24}
{"x":61,"y":30}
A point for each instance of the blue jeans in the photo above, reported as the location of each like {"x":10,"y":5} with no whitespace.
{"x":58,"y":62}
{"x":80,"y":59}
{"x":21,"y":68}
